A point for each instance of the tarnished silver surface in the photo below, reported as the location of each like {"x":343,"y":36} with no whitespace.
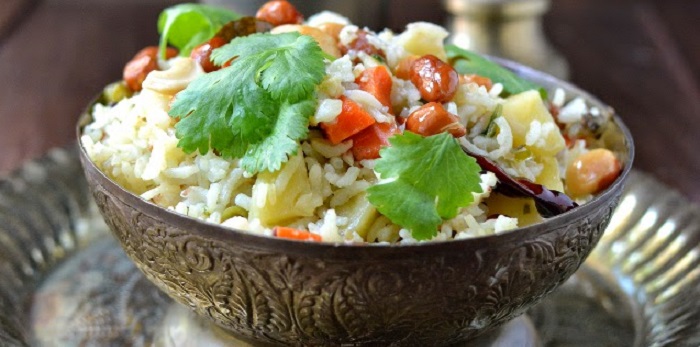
{"x":640,"y":287}
{"x":45,"y":215}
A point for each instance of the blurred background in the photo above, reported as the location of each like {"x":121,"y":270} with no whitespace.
{"x":640,"y":56}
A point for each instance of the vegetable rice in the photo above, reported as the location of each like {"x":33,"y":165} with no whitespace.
{"x":321,"y":185}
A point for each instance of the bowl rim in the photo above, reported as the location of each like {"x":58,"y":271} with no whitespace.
{"x":254,"y":241}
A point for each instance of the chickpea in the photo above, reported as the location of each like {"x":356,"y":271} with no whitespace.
{"x":592,"y":172}
{"x":145,"y":61}
{"x":279,"y":12}
{"x":327,"y":43}
{"x":435,"y":79}
{"x":432,"y":118}
{"x":332,"y":29}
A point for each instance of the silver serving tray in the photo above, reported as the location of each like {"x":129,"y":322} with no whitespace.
{"x":65,"y":282}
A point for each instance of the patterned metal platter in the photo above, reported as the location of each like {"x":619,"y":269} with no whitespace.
{"x":65,"y":282}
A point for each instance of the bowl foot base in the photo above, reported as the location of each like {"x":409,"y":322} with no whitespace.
{"x":183,"y":328}
{"x":98,"y":297}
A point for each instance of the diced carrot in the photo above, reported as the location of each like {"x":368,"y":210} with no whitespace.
{"x":367,"y":143}
{"x":351,"y":120}
{"x":403,"y":68}
{"x":296,"y":234}
{"x":377,"y":81}
{"x":480,"y":80}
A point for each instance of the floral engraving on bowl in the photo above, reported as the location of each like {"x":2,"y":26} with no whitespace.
{"x":270,"y":296}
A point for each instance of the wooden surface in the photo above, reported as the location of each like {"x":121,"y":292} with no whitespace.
{"x":643,"y":58}
{"x":640,"y":56}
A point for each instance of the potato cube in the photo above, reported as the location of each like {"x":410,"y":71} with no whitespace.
{"x":549,"y":177}
{"x":522,"y":208}
{"x":527,"y":110}
{"x":285,"y":195}
{"x":360,"y":214}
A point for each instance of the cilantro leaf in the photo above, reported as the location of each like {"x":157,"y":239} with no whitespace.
{"x":285,"y":70}
{"x":423,"y":181}
{"x":187,"y":25}
{"x":468,"y":62}
{"x":273,"y":150}
{"x":236,"y":113}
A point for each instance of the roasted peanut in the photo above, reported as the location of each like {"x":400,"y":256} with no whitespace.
{"x":432,"y":118}
{"x":473,"y":78}
{"x":435,"y":79}
{"x":202,"y":53}
{"x":152,"y":51}
{"x":279,"y":12}
{"x":592,"y":172}
{"x":145,"y":61}
{"x":361,"y":44}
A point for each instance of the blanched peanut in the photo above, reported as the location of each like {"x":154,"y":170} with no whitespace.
{"x":432,"y":118}
{"x":279,"y":12}
{"x":145,"y":61}
{"x":592,"y":172}
{"x":435,"y":79}
{"x":202,"y":53}
{"x":327,"y":43}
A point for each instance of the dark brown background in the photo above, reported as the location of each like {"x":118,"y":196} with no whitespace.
{"x":640,"y":56}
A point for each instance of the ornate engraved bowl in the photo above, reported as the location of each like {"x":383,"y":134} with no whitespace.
{"x":276,"y":291}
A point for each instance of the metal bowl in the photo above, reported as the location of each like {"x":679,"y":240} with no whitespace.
{"x":277,"y":291}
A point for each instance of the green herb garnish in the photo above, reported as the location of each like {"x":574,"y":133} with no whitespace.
{"x":187,"y":25}
{"x":423,"y":181}
{"x":467,"y":62}
{"x":491,"y":127}
{"x":258,"y":108}
{"x":379,"y":58}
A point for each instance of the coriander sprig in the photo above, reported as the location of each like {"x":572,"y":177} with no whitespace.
{"x":424,"y":180}
{"x":257,"y":109}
